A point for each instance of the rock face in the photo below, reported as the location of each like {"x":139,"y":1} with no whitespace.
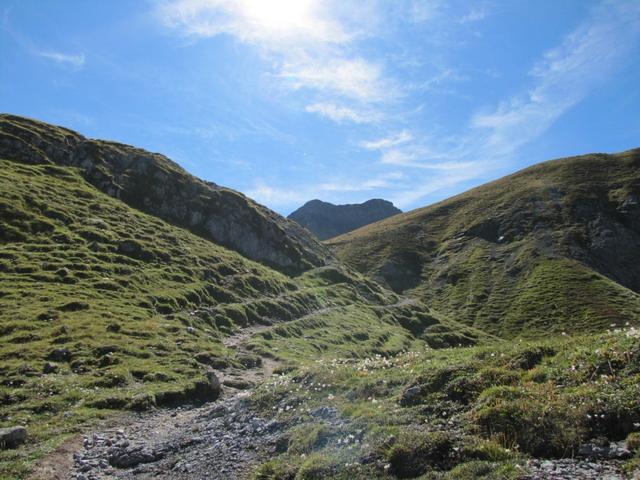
{"x":152,"y":183}
{"x":327,"y":220}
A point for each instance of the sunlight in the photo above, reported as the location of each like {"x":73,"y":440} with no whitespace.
{"x":283,"y":16}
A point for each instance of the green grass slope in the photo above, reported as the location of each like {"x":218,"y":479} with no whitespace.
{"x":549,"y":249}
{"x":128,"y":311}
{"x":154,"y":184}
{"x":455,"y":414}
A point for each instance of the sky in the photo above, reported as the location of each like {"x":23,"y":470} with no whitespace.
{"x":290,"y":100}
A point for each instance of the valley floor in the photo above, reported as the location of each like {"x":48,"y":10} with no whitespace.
{"x":371,"y":418}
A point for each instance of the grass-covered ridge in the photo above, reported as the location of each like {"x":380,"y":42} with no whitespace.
{"x":553,"y":247}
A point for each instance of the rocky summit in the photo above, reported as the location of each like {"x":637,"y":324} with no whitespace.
{"x":326,"y":220}
{"x":154,"y":325}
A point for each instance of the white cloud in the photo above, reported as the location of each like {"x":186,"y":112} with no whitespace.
{"x":441,"y":183}
{"x":341,"y":114}
{"x":474,"y":15}
{"x":387,"y":142}
{"x":73,"y":60}
{"x":382,"y":181}
{"x":307,"y":42}
{"x":271,"y":24}
{"x":285,"y":197}
{"x":355,"y":79}
{"x":421,"y":11}
{"x":274,"y":196}
{"x":564,"y":77}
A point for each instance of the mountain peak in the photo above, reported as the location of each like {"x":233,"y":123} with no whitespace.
{"x":327,"y":220}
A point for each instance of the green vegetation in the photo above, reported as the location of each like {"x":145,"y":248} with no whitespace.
{"x":104,"y":308}
{"x":97,"y":303}
{"x":458,"y":413}
{"x":550,"y":248}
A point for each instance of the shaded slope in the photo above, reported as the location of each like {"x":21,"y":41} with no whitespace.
{"x":154,"y":184}
{"x":327,"y":220}
{"x":553,"y":247}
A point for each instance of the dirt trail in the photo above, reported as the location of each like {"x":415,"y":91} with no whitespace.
{"x":220,"y":440}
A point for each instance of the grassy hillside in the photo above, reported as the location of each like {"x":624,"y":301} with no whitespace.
{"x":455,"y":414}
{"x":551,"y":248}
{"x":154,"y":184}
{"x":104,"y":309}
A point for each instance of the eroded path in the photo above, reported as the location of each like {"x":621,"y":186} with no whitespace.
{"x":220,"y":440}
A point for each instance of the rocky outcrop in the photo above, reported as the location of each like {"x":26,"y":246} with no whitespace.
{"x":158,"y":186}
{"x":327,"y":220}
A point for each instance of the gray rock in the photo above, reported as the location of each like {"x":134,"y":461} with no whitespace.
{"x":411,"y":395}
{"x":50,"y":368}
{"x":12,"y":436}
{"x":133,"y":456}
{"x":612,"y":451}
{"x":60,"y":355}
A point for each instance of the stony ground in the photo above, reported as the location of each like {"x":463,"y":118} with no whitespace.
{"x":220,"y":440}
{"x":573,"y":469}
{"x":225,"y":439}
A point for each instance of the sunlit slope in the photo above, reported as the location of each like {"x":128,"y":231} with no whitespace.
{"x":551,"y":248}
{"x":105,"y":308}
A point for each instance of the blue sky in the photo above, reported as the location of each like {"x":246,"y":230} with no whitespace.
{"x":289,"y":100}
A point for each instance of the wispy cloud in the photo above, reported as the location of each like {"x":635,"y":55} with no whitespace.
{"x":387,"y":142}
{"x":355,"y":79}
{"x":313,"y":50}
{"x":271,"y":24}
{"x":281,"y":196}
{"x":307,"y":43}
{"x":72,"y":60}
{"x":274,"y":196}
{"x":564,"y":77}
{"x":341,"y":114}
{"x":474,"y":15}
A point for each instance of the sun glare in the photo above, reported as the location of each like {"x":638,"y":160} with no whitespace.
{"x":284,"y":16}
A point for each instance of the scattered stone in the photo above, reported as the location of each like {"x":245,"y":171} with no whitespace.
{"x":50,"y":367}
{"x":60,"y":355}
{"x":325,"y":412}
{"x":11,"y":437}
{"x":238,"y":383}
{"x":568,"y":468}
{"x":411,"y":395}
{"x":132,"y":456}
{"x":611,"y":451}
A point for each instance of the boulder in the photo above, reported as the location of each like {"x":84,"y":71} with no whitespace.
{"x":12,"y":436}
{"x":50,"y":367}
{"x":208,"y":389}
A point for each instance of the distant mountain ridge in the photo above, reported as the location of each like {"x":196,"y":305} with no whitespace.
{"x":327,"y":220}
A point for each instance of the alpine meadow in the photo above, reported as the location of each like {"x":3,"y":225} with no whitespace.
{"x":381,"y":240}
